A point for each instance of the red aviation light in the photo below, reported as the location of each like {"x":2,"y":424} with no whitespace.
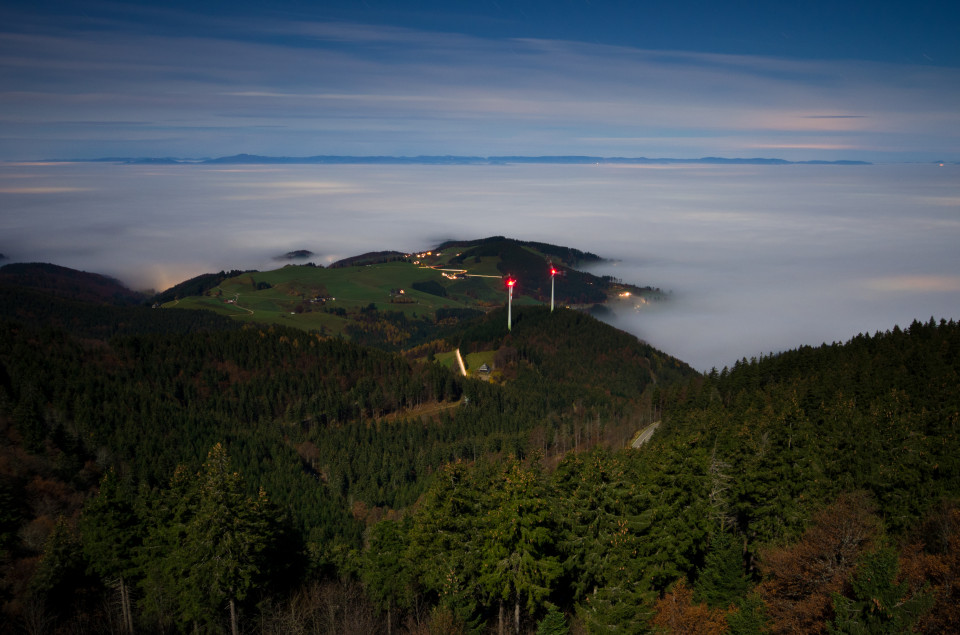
{"x":553,"y":271}
{"x":511,"y":281}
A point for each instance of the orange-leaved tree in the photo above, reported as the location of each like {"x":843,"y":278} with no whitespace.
{"x":800,"y":580}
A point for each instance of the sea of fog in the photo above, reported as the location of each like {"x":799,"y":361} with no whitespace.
{"x":758,"y":259}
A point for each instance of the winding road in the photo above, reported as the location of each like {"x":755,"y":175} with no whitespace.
{"x":645,"y":435}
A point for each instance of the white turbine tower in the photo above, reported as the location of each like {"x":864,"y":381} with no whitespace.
{"x":510,"y":284}
{"x":553,"y":275}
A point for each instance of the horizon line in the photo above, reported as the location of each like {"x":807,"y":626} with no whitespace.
{"x":441,"y":159}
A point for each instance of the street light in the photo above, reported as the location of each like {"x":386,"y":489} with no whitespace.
{"x":510,"y":281}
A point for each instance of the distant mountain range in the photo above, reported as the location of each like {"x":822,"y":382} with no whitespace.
{"x":248,"y":159}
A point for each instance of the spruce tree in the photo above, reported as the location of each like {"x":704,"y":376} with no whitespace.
{"x":519,"y":559}
{"x":111,"y":531}
{"x":206,"y":547}
{"x":879,"y":604}
{"x":224,"y":540}
{"x":722,"y":581}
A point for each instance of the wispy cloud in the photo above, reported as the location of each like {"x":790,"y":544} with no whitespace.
{"x":916,"y":284}
{"x":42,"y":190}
{"x":806,"y":146}
{"x":309,"y":88}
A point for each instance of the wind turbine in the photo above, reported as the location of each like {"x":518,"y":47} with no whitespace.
{"x":553,"y":275}
{"x":511,"y":282}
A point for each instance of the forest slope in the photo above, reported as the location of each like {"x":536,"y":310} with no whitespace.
{"x":328,"y":427}
{"x":807,"y":491}
{"x":513,"y":505}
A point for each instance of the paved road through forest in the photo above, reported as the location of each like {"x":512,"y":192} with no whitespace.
{"x":645,"y":435}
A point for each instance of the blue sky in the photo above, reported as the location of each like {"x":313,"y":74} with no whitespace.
{"x":876,"y":81}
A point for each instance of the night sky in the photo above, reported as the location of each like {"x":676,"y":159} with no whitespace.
{"x":874,"y":81}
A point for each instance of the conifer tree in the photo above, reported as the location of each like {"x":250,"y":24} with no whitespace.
{"x":166,"y":513}
{"x":62,"y":567}
{"x":111,"y":531}
{"x":721,"y":581}
{"x":879,"y":604}
{"x":606,"y":517}
{"x":224,"y":539}
{"x":206,"y":550}
{"x":386,"y":573}
{"x":519,"y":559}
{"x":553,"y":623}
{"x":443,"y":536}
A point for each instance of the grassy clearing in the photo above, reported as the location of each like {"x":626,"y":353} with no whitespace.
{"x":448,"y":359}
{"x":475,"y":360}
{"x":351,"y":288}
{"x":284,"y":296}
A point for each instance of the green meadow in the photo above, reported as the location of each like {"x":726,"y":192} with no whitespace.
{"x":317,"y":298}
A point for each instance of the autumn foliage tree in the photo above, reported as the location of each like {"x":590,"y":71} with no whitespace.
{"x":931,"y":563}
{"x":800,"y":580}
{"x":677,"y":613}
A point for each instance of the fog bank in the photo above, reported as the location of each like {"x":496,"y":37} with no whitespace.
{"x":757,"y":258}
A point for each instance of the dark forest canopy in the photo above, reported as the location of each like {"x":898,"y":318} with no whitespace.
{"x":570,"y":256}
{"x":369,"y":258}
{"x":175,"y":471}
{"x":296,"y":254}
{"x":71,"y":284}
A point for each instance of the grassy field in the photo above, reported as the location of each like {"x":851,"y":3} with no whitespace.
{"x":284,"y":295}
{"x":473,"y":361}
{"x":476,"y":360}
{"x":448,"y":359}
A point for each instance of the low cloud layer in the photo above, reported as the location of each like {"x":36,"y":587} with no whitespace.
{"x":758,"y":258}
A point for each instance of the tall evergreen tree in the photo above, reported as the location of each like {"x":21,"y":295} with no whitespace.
{"x":443,"y":537}
{"x":721,"y":581}
{"x":519,"y":553}
{"x":111,"y":531}
{"x":62,"y":567}
{"x":206,"y":550}
{"x":224,"y":539}
{"x":386,"y":573}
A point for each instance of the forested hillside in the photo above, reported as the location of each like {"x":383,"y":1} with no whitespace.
{"x":177,"y":474}
{"x":337,"y":434}
{"x":67,"y":283}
